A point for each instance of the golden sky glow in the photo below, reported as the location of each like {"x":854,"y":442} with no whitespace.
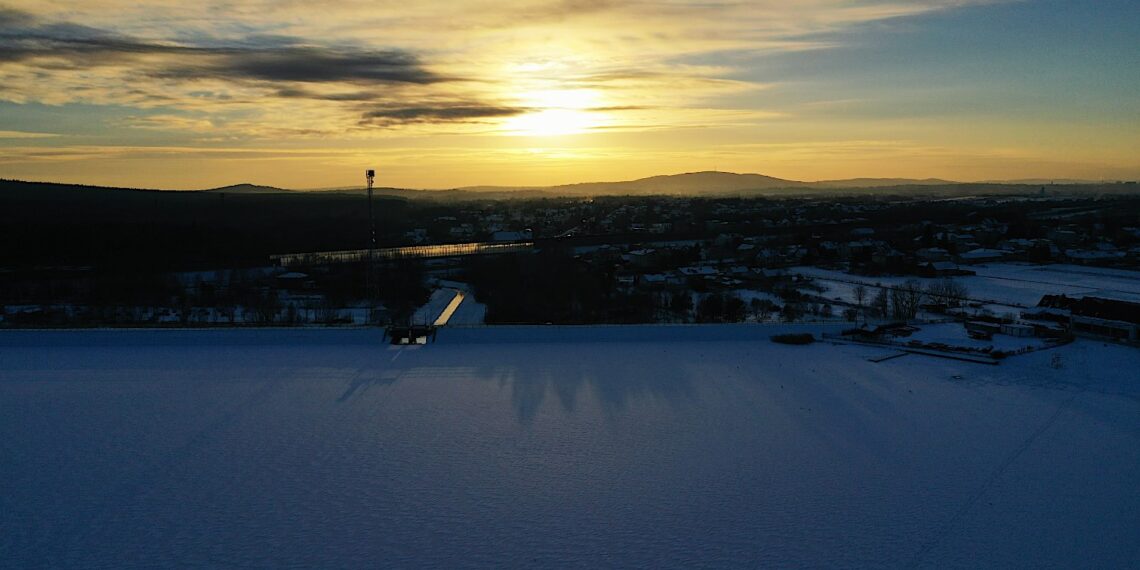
{"x":438,"y":93}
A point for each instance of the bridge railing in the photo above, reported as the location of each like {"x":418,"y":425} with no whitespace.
{"x":409,"y":252}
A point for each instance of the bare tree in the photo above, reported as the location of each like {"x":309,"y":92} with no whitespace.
{"x":947,"y":291}
{"x":955,"y":291}
{"x":880,"y":305}
{"x":906,"y":298}
{"x":860,"y":293}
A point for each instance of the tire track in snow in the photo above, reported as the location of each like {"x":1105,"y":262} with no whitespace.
{"x":985,"y":486}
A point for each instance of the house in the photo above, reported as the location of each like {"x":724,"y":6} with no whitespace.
{"x":860,"y":248}
{"x":644,"y":258}
{"x":294,"y":280}
{"x":1092,"y":256}
{"x":418,"y":235}
{"x":942,"y":269}
{"x":1018,"y":330}
{"x":886,"y":256}
{"x":1063,"y":236}
{"x":1016,"y":245}
{"x":461,"y":231}
{"x":1106,"y":318}
{"x":1047,"y":315}
{"x":981,"y":255}
{"x":511,"y":236}
{"x":932,"y":254}
{"x":654,"y":280}
{"x":982,"y":330}
{"x":701,"y":271}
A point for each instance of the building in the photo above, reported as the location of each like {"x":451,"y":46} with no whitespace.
{"x":1018,"y":329}
{"x":942,"y":269}
{"x":982,"y":330}
{"x":511,"y":236}
{"x":932,"y":254}
{"x":982,"y":255}
{"x":1106,"y":318}
{"x":645,"y":258}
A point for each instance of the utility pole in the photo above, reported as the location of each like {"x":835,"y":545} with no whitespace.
{"x":370,"y":276}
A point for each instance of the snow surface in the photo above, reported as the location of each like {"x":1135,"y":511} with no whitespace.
{"x":452,"y":303}
{"x":655,"y":446}
{"x":955,"y":335}
{"x":1013,"y":284}
{"x":438,"y":308}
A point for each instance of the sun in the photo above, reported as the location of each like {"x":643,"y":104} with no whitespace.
{"x":557,"y":112}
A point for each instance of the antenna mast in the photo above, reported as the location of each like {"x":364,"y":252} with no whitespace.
{"x":370,"y":277}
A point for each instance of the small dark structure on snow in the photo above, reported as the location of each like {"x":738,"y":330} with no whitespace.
{"x":410,"y":334}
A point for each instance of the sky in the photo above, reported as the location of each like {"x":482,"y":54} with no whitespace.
{"x":440,"y":93}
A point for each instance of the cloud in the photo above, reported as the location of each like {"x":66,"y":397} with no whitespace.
{"x":293,"y":68}
{"x":25,"y":135}
{"x":25,"y":38}
{"x":308,"y":64}
{"x":438,"y":113}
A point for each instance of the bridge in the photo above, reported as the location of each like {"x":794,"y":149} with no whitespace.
{"x":408,"y":252}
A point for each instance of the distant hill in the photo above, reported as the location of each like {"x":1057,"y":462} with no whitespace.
{"x":880,"y":182}
{"x":248,"y":188}
{"x":1048,"y":181}
{"x":690,"y":183}
{"x":708,"y":183}
{"x":712,"y":183}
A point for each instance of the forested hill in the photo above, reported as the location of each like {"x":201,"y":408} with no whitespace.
{"x":57,"y":224}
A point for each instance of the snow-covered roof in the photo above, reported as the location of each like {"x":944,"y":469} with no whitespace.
{"x":942,"y":265}
{"x":510,"y":236}
{"x":703,"y":270}
{"x":1092,"y":255}
{"x":983,"y":253}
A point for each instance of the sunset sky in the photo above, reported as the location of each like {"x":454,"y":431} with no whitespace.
{"x":441,"y":93}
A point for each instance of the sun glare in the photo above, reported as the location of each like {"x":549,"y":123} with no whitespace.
{"x":556,"y":112}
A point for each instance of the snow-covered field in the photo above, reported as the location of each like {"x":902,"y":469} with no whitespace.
{"x":651,"y":446}
{"x":1019,"y":285}
{"x":955,"y":335}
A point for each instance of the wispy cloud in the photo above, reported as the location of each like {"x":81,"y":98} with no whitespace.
{"x":397,"y":64}
{"x":62,"y":62}
{"x":768,"y":85}
{"x":25,"y":135}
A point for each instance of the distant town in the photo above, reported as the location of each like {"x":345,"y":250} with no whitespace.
{"x":1046,"y":262}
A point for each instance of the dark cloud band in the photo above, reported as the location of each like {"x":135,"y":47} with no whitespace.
{"x":448,"y":113}
{"x":25,"y":39}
